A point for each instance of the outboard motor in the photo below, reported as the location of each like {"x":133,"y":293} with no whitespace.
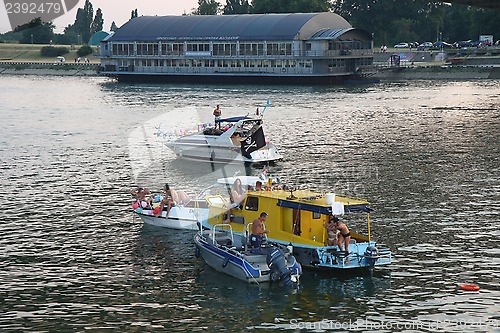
{"x":371,"y":255}
{"x":277,"y":263}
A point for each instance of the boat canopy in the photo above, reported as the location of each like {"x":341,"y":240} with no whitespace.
{"x":326,"y":210}
{"x":232,"y":119}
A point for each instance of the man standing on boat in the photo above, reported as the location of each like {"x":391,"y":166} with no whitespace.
{"x":258,"y":231}
{"x":217,"y":114}
{"x":344,"y":234}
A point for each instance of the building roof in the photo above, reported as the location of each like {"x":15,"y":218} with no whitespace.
{"x":97,"y":37}
{"x":229,"y":27}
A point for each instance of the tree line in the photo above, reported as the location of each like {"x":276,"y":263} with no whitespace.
{"x":390,"y":21}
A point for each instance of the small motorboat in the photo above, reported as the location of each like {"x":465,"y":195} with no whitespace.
{"x":297,"y":219}
{"x":229,"y":253}
{"x":230,"y":140}
{"x":181,"y":216}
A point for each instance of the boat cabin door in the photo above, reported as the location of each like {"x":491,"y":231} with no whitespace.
{"x":296,"y":222}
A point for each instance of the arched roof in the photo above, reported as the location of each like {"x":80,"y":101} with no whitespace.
{"x":97,"y":37}
{"x":229,"y":27}
{"x":348,"y":34}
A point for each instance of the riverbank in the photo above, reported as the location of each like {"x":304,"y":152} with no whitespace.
{"x":57,"y":69}
{"x":442,"y":72}
{"x":19,"y":59}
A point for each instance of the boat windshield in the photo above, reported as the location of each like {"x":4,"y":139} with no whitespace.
{"x":244,"y":126}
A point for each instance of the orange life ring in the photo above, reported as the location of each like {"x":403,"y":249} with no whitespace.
{"x":469,"y":287}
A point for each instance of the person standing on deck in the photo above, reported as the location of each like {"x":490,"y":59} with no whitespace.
{"x":217,"y":114}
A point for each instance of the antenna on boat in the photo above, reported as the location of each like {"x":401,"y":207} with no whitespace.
{"x":291,"y":197}
{"x":265,"y":107}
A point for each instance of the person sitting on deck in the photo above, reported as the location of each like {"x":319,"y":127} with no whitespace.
{"x":173,"y":198}
{"x":141,"y":198}
{"x":258,"y":231}
{"x":258,"y":186}
{"x":237,"y":194}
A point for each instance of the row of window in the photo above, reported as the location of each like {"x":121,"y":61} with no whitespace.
{"x":343,"y":63}
{"x":225,"y":49}
{"x":252,"y":203}
{"x":217,"y":63}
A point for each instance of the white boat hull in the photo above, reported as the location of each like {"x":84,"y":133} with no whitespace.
{"x":184,"y":218}
{"x":223,"y":154}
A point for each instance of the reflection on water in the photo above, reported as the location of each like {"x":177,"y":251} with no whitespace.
{"x":73,"y":258}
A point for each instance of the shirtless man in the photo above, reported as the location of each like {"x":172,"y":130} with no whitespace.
{"x":217,"y":115}
{"x":170,"y":200}
{"x":344,"y":234}
{"x":258,"y":230}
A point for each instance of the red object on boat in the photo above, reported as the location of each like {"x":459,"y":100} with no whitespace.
{"x":469,"y":287}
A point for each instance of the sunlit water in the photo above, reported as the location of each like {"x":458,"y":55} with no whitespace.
{"x":73,"y":258}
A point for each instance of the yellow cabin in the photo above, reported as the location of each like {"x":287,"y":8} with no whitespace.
{"x":297,"y":218}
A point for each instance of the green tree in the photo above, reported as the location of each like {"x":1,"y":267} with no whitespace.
{"x":83,"y":22}
{"x":290,"y":6}
{"x":84,"y":50}
{"x":113,"y":27}
{"x":134,"y":14}
{"x":98,"y":22}
{"x":88,"y":11}
{"x":236,"y":7}
{"x":207,"y":7}
{"x":39,"y":33}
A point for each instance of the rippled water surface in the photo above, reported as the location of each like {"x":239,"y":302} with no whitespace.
{"x":73,"y":258}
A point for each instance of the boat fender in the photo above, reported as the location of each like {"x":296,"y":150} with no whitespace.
{"x":225,"y":262}
{"x":469,"y":287}
{"x":283,"y":70}
{"x":197,"y":252}
{"x":212,"y":156}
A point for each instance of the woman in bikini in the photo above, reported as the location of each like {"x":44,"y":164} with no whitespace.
{"x":332,"y":233}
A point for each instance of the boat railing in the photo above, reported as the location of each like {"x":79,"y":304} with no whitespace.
{"x":248,"y":233}
{"x":222,"y":226}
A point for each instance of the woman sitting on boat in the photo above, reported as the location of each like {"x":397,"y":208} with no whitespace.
{"x":237,"y":194}
{"x":141,"y":197}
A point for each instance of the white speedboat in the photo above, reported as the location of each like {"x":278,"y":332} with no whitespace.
{"x":184,"y":216}
{"x":230,"y":140}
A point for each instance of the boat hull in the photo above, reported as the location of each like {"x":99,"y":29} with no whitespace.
{"x":214,"y":153}
{"x":182,"y":218}
{"x":235,"y":260}
{"x":230,"y":264}
{"x":330,"y":258}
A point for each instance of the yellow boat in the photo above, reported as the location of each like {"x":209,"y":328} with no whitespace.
{"x":296,"y":218}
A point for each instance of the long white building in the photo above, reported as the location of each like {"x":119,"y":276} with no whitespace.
{"x":262,"y":48}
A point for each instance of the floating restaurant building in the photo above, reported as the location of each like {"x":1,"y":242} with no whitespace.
{"x":259,"y":48}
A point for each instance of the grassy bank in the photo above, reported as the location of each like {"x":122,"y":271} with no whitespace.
{"x":31,"y":53}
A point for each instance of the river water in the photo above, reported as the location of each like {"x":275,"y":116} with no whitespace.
{"x":73,"y":257}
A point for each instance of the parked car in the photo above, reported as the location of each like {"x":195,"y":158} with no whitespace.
{"x":442,"y":44}
{"x":401,"y":45}
{"x":465,"y":43}
{"x":426,"y":44}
